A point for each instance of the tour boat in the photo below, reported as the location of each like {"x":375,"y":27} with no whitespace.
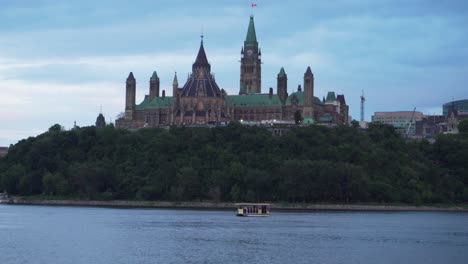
{"x":253,"y":209}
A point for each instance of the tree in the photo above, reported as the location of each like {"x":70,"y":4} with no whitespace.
{"x":120,"y":115}
{"x":298,"y":117}
{"x":11,"y":178}
{"x":189,"y":183}
{"x":240,"y":163}
{"x":56,"y":128}
{"x":54,"y":184}
{"x":463,"y":126}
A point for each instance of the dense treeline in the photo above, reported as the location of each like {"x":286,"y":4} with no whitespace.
{"x":239,"y":163}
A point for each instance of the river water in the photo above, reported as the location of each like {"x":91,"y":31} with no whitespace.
{"x":46,"y":234}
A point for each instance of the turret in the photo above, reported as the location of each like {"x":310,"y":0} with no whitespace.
{"x":175,"y":86}
{"x":201,"y":62}
{"x":100,"y":121}
{"x":130,"y":97}
{"x":308,"y":111}
{"x":282,"y":86}
{"x":154,"y":86}
{"x":308,"y":87}
{"x":250,"y":70}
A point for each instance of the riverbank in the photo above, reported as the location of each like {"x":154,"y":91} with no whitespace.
{"x":230,"y":206}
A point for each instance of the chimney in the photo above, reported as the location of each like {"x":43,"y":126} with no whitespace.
{"x":270,"y":93}
{"x":163,"y":94}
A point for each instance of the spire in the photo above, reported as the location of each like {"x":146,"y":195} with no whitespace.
{"x":282,"y":73}
{"x":308,"y":72}
{"x":175,"y":82}
{"x":130,"y":76}
{"x":201,"y":61}
{"x":154,"y":77}
{"x":251,"y":38}
{"x":331,"y":97}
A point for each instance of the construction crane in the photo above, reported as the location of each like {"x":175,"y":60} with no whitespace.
{"x":410,"y":123}
{"x":363,"y":99}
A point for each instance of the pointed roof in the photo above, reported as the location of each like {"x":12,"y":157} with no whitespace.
{"x":130,"y":76}
{"x":154,"y":76}
{"x":175,"y":81}
{"x":201,"y":61}
{"x":308,"y":72}
{"x":100,"y":121}
{"x":331,"y":97}
{"x":201,"y":84}
{"x":340,"y":98}
{"x":282,"y":73}
{"x":251,"y":38}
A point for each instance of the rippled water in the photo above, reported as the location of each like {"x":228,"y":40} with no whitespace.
{"x":42,"y":234}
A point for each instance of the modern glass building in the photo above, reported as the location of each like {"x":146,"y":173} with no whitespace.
{"x":461,"y":106}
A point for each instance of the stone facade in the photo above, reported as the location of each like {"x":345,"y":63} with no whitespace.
{"x":200,"y":101}
{"x":432,"y":125}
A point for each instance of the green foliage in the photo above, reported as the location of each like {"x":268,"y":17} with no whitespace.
{"x":54,"y":184}
{"x":463,"y":126}
{"x":11,"y":178}
{"x":239,"y":163}
{"x":298,"y":117}
{"x":55,"y":128}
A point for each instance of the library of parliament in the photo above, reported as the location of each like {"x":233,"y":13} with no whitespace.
{"x":200,"y":101}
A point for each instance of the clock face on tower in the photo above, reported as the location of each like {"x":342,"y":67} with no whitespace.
{"x":249,"y":53}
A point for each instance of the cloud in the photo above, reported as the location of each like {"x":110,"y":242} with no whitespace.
{"x":11,"y":136}
{"x":60,"y":61}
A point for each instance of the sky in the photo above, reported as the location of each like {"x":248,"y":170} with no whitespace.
{"x":61,"y":61}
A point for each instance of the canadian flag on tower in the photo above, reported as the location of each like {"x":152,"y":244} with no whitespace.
{"x":254,"y":5}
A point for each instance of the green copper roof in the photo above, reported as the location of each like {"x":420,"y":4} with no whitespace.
{"x":261,"y":100}
{"x":282,"y":73}
{"x":299,"y":96}
{"x":300,"y":99}
{"x":156,"y":103}
{"x":331,"y":97}
{"x":253,"y":100}
{"x":238,"y":101}
{"x":251,"y":38}
{"x":154,"y":76}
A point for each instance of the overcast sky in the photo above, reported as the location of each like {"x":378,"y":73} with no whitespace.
{"x":61,"y":60}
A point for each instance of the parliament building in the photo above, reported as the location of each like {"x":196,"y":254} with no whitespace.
{"x":200,"y":101}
